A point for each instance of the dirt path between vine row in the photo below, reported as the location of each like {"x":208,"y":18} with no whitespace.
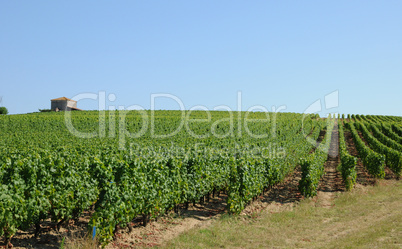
{"x":331,"y":183}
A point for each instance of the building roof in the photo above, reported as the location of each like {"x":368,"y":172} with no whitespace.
{"x":62,"y":98}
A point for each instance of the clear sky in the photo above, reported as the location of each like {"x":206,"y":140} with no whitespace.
{"x":275,"y":53}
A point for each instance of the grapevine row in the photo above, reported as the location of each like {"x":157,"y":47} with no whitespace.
{"x":393,"y":157}
{"x":373,"y":161}
{"x":397,"y":129}
{"x":389,"y":142}
{"x":387,"y":130}
{"x":348,"y":162}
{"x":56,"y":175}
{"x":312,"y":166}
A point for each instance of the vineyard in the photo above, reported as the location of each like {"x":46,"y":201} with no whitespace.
{"x":120,"y":166}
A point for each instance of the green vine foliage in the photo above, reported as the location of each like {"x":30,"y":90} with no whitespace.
{"x":373,"y":161}
{"x":46,"y":172}
{"x":348,"y":163}
{"x":312,"y":166}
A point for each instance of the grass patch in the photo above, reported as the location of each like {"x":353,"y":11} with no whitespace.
{"x":78,"y":242}
{"x":363,"y":218}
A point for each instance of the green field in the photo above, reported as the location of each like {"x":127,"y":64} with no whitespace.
{"x":120,"y":165}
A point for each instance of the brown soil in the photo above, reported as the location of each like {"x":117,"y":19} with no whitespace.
{"x":171,"y":225}
{"x":49,"y":238}
{"x":281,"y":196}
{"x":331,"y":183}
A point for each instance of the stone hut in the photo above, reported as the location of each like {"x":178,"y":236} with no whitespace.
{"x":64,"y":104}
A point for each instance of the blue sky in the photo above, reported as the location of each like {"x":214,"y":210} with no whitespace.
{"x":204,"y":52}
